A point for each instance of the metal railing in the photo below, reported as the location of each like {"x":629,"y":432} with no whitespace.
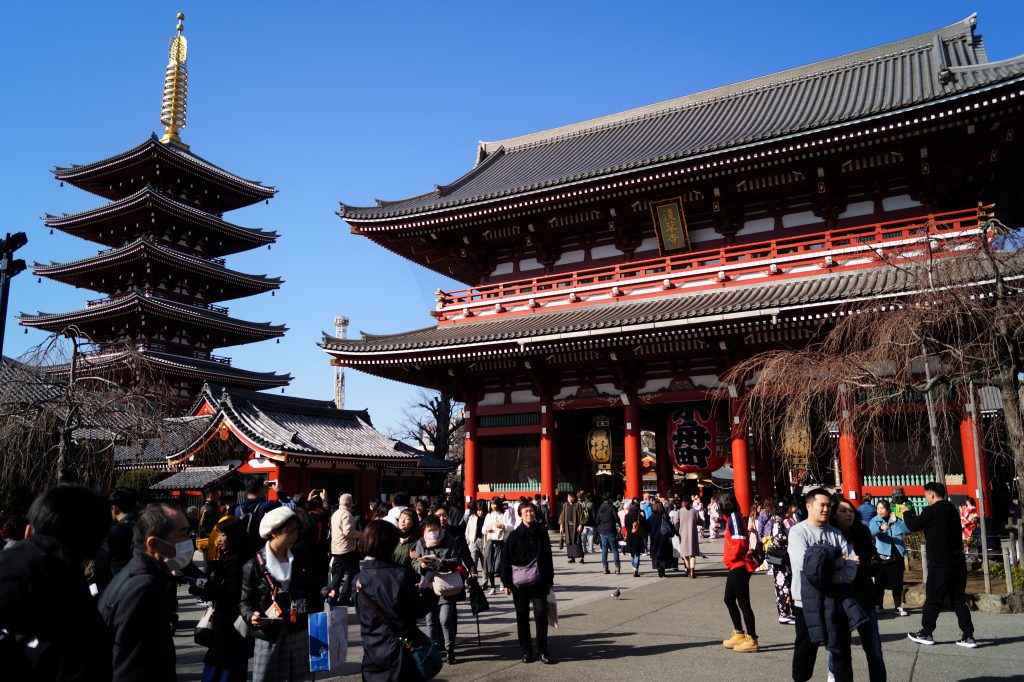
{"x":150,"y":293}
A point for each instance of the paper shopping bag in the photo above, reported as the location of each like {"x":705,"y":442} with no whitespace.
{"x":328,"y":639}
{"x":552,"y":609}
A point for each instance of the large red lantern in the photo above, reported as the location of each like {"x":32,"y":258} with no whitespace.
{"x":693,"y":439}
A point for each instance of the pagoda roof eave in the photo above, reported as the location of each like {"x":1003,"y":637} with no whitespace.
{"x":83,"y":174}
{"x":179,"y":365}
{"x":150,"y":251}
{"x":935,"y":67}
{"x":82,"y":219}
{"x":135,"y":303}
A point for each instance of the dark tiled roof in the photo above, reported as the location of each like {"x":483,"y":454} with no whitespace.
{"x":777,"y":297}
{"x":238,"y":238}
{"x":193,"y":478}
{"x":94,"y":177}
{"x":151,"y":453}
{"x":135,"y":303}
{"x":880,"y":80}
{"x":428,"y":461}
{"x":23,"y":384}
{"x":179,"y":365}
{"x":147,"y":251}
{"x":301,"y":426}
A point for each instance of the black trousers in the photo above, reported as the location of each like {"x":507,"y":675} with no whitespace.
{"x":737,"y":600}
{"x":540,"y":614}
{"x":346,"y":565}
{"x":942,"y":581}
{"x":890,"y":578}
{"x":805,"y":652}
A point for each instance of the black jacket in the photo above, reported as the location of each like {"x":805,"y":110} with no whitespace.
{"x":139,"y":616}
{"x":942,"y":533}
{"x":303,"y":592}
{"x":827,"y":606}
{"x":44,"y":596}
{"x":451,"y":551}
{"x":661,"y":537}
{"x":635,"y":541}
{"x":607,"y":519}
{"x":393,"y":590}
{"x":859,"y":537}
{"x":119,"y":542}
{"x":224,"y":589}
{"x":522,"y":546}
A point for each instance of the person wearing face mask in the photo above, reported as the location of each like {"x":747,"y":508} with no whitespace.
{"x":135,"y":605}
{"x":442,"y":551}
{"x":279,"y":590}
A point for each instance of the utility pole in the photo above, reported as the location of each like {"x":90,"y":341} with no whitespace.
{"x":9,"y":267}
{"x":340,"y":330}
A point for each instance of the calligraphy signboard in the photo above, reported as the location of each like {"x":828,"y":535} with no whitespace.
{"x":670,"y":225}
{"x":693,"y":439}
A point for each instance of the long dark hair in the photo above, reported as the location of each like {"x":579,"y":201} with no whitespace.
{"x":727,"y":502}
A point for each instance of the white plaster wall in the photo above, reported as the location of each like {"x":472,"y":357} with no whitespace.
{"x":502,"y":269}
{"x":704,"y":235}
{"x":606,"y":251}
{"x":898,"y":202}
{"x":529,"y":264}
{"x":649,"y":244}
{"x":858,"y":209}
{"x":755,"y":226}
{"x":653,"y":385}
{"x":799,"y":219}
{"x":571,"y":257}
{"x":520,"y":397}
{"x":492,"y":399}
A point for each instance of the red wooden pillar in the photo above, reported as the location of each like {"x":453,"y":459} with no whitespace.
{"x":548,"y":484}
{"x":849,"y":460}
{"x":634,"y":472}
{"x":742,"y":485}
{"x":469,"y":475}
{"x":972,"y":477}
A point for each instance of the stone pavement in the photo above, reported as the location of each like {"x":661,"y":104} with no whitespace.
{"x":671,"y":629}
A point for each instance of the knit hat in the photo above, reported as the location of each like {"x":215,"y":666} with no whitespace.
{"x":274,"y":519}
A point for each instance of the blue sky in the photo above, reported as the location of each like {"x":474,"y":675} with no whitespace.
{"x":333,"y":101}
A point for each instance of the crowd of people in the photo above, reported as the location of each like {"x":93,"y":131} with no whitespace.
{"x":112,"y":566}
{"x":832,"y":564}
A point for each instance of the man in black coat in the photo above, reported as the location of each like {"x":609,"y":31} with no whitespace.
{"x":947,"y":566}
{"x":53,"y":629}
{"x":527,"y":544}
{"x":136,"y":606}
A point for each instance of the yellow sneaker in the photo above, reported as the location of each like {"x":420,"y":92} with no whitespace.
{"x":736,"y":638}
{"x":748,"y":645}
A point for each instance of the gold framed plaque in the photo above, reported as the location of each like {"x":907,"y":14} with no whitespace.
{"x":670,"y":225}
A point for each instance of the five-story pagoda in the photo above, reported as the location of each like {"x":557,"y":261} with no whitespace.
{"x":162,"y":272}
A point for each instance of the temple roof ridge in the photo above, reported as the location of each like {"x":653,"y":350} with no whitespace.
{"x":958,"y":30}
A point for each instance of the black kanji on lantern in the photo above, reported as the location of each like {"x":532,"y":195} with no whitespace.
{"x":690,"y":438}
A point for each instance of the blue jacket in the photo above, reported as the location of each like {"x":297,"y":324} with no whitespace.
{"x":866,"y":512}
{"x":889,"y":542}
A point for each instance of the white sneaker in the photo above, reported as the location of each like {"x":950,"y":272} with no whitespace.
{"x":900,"y":611}
{"x":831,"y":677}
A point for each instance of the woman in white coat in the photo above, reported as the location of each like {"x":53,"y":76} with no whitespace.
{"x":496,"y":529}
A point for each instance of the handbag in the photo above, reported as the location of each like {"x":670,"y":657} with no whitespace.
{"x":777,"y":556}
{"x":203,"y":635}
{"x":242,"y":628}
{"x":523,"y":576}
{"x":448,"y":584}
{"x":424,"y":654}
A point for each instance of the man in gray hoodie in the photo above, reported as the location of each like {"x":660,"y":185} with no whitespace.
{"x":816,"y":530}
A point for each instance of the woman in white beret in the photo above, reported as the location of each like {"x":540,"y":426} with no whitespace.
{"x":279,"y":590}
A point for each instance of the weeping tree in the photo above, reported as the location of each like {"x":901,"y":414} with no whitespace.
{"x":951,"y":324}
{"x":433,"y":421}
{"x":61,"y":417}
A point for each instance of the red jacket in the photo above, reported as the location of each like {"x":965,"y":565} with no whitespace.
{"x":736,"y":552}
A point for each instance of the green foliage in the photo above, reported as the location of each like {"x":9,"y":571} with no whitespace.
{"x":138,"y":479}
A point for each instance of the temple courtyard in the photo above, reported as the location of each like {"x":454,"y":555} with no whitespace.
{"x":671,"y":629}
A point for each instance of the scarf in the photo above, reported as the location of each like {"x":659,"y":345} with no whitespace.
{"x":281,"y":572}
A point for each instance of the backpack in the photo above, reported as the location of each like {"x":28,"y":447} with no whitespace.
{"x":252,"y":520}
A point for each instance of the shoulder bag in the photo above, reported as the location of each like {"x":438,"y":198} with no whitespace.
{"x":448,"y":584}
{"x":425,"y":655}
{"x":777,"y":557}
{"x":204,"y":628}
{"x":524,"y":576}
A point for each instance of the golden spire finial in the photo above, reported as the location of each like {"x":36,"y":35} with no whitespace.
{"x":172,"y":113}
